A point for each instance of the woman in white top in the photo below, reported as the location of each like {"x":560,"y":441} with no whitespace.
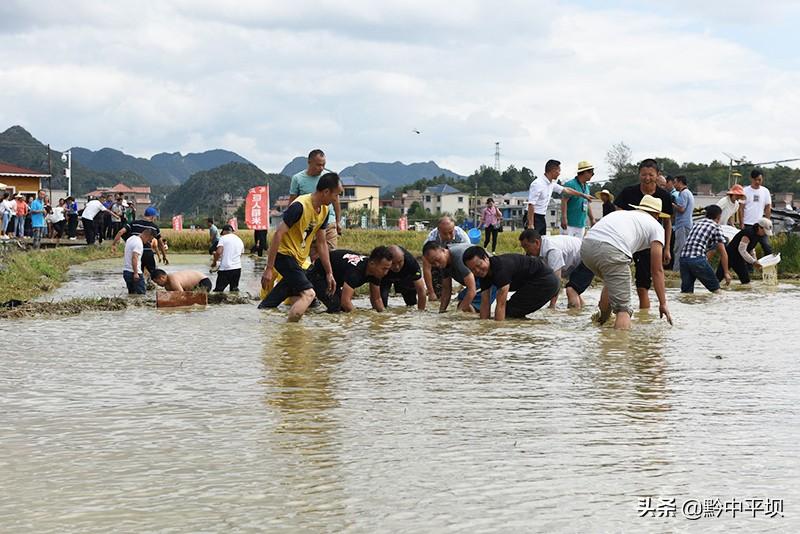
{"x":730,"y":204}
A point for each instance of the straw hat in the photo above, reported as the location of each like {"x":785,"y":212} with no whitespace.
{"x":736,"y":190}
{"x":605,"y":192}
{"x":585,"y":166}
{"x":650,"y":204}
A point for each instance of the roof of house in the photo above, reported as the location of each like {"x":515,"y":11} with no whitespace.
{"x":122,"y":188}
{"x":443,"y":189}
{"x":6,"y":169}
{"x":352,"y":181}
{"x":519,"y":194}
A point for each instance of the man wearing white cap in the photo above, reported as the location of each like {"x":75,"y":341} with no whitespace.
{"x":608,"y":251}
{"x":741,"y":249}
{"x":574,"y":210}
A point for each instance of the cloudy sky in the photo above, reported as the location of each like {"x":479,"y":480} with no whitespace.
{"x":273,"y":79}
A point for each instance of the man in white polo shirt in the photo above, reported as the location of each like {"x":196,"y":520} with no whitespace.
{"x":540,"y":193}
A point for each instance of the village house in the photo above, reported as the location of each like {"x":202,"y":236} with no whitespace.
{"x":19,"y":180}
{"x":359,"y":194}
{"x":138,"y":194}
{"x":444,"y":198}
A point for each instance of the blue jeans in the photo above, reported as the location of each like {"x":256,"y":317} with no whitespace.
{"x":697,"y":269}
{"x":476,"y":302}
{"x":134,"y":288}
{"x":20,"y":226}
{"x":6,"y":218}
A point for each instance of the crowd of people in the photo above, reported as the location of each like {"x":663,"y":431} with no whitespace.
{"x":305,"y":268}
{"x":34,"y":217}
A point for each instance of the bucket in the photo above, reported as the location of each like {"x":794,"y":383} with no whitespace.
{"x":769,"y":269}
{"x":474,"y":235}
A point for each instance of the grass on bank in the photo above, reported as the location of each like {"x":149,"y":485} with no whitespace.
{"x":27,"y":274}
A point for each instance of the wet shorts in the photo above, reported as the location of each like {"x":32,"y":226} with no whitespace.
{"x":614,"y":266}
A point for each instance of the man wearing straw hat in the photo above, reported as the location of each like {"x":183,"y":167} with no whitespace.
{"x":607,"y":199}
{"x":608,"y":251}
{"x":574,"y":210}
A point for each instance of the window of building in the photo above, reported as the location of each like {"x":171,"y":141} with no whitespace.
{"x":461,"y":200}
{"x":349,"y":191}
{"x":438,"y":198}
{"x":427,"y":198}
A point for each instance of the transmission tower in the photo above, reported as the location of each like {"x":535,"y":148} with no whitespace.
{"x":497,"y":156}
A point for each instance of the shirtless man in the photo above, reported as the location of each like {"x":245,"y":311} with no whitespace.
{"x":181,"y":280}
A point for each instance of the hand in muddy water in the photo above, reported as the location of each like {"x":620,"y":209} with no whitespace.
{"x":663,"y":311}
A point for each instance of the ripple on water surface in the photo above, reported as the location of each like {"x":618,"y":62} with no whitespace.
{"x":228,"y":418}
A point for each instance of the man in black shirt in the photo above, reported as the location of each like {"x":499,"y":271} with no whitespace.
{"x":632,"y":196}
{"x":135,"y":228}
{"x":350,"y":270}
{"x":406,"y":275}
{"x":533,"y":282}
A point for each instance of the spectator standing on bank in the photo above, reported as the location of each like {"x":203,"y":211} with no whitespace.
{"x":607,"y":199}
{"x":6,"y":209}
{"x":90,"y":213}
{"x":574,"y":210}
{"x":38,"y":224}
{"x":492,"y":221}
{"x":730,"y":205}
{"x":72,"y":218}
{"x":20,"y":213}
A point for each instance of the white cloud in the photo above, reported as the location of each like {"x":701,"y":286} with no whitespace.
{"x":271,"y":80}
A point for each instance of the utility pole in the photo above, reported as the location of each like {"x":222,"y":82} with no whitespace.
{"x":497,"y":156}
{"x":50,"y":172}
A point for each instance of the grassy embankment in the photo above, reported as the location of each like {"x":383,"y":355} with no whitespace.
{"x":27,"y":274}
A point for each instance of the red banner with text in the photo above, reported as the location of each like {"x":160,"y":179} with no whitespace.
{"x":256,"y":208}
{"x":177,"y":223}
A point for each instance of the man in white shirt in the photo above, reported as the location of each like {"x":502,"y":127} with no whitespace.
{"x":608,"y":251}
{"x":229,"y":255}
{"x":90,"y":228}
{"x":540,"y":193}
{"x":562,"y":254}
{"x":757,"y":204}
{"x":132,"y":263}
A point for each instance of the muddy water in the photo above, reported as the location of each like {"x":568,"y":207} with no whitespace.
{"x":229,"y":419}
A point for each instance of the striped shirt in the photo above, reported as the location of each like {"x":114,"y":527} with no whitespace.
{"x":705,"y":236}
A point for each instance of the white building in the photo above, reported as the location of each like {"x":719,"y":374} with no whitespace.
{"x":445,"y":199}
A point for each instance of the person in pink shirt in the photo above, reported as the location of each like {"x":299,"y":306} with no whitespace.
{"x":22,"y":211}
{"x":492,"y":221}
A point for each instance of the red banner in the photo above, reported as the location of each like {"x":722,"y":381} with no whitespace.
{"x":233,"y":222}
{"x":177,"y":223}
{"x":256,"y":208}
{"x":402,"y":223}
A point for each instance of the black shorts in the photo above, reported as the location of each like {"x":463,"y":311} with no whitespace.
{"x":205,"y":284}
{"x":641,"y":262}
{"x":294,"y":280}
{"x":580,"y":278}
{"x":148,"y":260}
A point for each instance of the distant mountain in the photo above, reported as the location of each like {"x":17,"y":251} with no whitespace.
{"x":161,"y":169}
{"x":389,"y":176}
{"x":300,"y":163}
{"x":204,"y":191}
{"x":19,"y":147}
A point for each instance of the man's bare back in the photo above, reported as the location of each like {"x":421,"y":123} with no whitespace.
{"x":183,"y":280}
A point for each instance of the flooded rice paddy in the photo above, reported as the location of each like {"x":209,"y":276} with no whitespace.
{"x":228,"y":419}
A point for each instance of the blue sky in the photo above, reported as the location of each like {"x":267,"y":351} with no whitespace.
{"x":271,"y":79}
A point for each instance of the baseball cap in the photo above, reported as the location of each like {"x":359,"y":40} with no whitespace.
{"x":151,"y":212}
{"x":766,"y":224}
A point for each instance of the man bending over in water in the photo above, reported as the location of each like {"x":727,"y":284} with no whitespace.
{"x":181,"y":280}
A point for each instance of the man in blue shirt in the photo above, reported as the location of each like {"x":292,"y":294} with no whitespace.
{"x":305,"y":183}
{"x":684,"y":206}
{"x":37,"y":218}
{"x":575,"y":209}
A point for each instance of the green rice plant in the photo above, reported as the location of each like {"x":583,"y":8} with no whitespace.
{"x":788,"y":244}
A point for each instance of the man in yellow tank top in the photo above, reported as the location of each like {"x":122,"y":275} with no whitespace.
{"x":304,"y":219}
